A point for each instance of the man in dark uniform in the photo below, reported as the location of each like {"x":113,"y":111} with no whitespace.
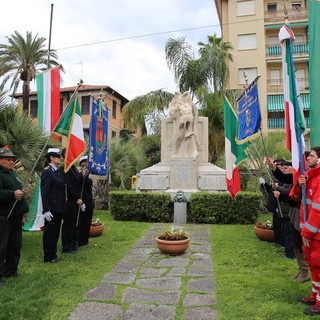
{"x":87,"y":197}
{"x":69,"y":226}
{"x":54,"y":203}
{"x":12,"y":202}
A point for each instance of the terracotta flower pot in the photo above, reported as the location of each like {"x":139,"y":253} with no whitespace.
{"x":173,"y":247}
{"x":264,"y":234}
{"x":96,"y":231}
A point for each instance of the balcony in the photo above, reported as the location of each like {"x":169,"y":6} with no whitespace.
{"x":293,"y":15}
{"x":297,"y":49}
{"x":275,"y":102}
{"x":276,"y":85}
{"x":279,"y":123}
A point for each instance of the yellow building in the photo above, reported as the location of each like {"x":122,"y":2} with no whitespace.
{"x":252,"y":27}
{"x":114,"y":100}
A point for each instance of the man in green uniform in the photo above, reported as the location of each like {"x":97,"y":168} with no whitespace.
{"x":11,"y":196}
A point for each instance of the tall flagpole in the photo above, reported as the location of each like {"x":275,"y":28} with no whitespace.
{"x":49,"y":47}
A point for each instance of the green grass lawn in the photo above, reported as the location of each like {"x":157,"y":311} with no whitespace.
{"x":252,"y":279}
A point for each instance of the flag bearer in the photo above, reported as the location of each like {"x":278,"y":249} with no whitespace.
{"x":310,"y":229}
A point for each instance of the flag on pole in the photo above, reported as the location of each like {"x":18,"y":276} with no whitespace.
{"x":234,"y":153}
{"x":70,"y":126}
{"x":48,"y":92}
{"x":249,"y":115}
{"x":98,"y":139}
{"x":48,"y":95}
{"x":314,"y":71}
{"x":294,"y":118}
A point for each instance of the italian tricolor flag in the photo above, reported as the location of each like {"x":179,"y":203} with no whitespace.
{"x":234,"y":153}
{"x":294,"y":118}
{"x":70,"y":126}
{"x":48,"y":95}
{"x":48,"y":92}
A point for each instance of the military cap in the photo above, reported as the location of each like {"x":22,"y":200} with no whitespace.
{"x":5,"y":152}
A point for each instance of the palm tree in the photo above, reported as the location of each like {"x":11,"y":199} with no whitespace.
{"x":214,"y":58}
{"x":146,"y":110}
{"x":24,"y":137}
{"x":21,"y":59}
{"x":126,"y":160}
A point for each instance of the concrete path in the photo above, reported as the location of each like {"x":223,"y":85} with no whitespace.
{"x":148,"y":285}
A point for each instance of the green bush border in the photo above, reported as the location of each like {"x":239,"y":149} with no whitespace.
{"x":203,"y":207}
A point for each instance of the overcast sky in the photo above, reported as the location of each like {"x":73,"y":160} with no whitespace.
{"x":119,"y":43}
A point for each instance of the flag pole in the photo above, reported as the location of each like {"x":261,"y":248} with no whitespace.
{"x":246,"y":87}
{"x":26,"y":182}
{"x":299,"y":132}
{"x":50,"y":29}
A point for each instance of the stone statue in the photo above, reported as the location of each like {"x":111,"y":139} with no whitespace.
{"x":185,"y":120}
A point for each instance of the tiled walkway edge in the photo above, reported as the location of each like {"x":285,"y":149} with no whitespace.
{"x":152,"y":283}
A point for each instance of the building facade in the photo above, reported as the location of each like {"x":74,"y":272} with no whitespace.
{"x":252,"y":27}
{"x":114,"y":100}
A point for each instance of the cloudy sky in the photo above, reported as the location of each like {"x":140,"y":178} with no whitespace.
{"x":119,"y":43}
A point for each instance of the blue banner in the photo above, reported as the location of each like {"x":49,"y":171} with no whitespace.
{"x":249,"y":116}
{"x":98,"y":139}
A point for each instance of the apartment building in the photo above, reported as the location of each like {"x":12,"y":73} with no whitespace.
{"x":252,"y":27}
{"x":114,"y":100}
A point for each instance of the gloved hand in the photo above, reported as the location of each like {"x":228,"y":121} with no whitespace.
{"x":83,"y":207}
{"x":262,"y":181}
{"x":48,"y":216}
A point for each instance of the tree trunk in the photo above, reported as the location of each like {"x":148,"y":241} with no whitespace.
{"x":25,"y":95}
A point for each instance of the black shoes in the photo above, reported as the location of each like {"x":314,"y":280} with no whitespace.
{"x":55,"y":260}
{"x":307,"y":301}
{"x":313,"y":311}
{"x":2,"y":283}
{"x":70,"y":252}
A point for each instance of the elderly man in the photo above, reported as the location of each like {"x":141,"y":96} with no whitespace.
{"x":12,"y":208}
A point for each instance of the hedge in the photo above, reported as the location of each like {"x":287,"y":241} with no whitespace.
{"x":203,"y":207}
{"x":219,"y":208}
{"x":134,"y":206}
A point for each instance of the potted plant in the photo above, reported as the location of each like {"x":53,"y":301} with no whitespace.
{"x":264,"y":231}
{"x":96,"y":228}
{"x":174,"y":241}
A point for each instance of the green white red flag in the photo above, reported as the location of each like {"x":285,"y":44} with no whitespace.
{"x":48,"y":93}
{"x":48,"y":96}
{"x":294,"y":118}
{"x":234,"y":153}
{"x":70,"y":126}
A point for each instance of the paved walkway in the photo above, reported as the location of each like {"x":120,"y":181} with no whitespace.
{"x":151,"y":283}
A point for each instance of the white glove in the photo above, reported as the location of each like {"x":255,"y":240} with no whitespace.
{"x":48,"y":216}
{"x":83,"y":207}
{"x":262,"y":181}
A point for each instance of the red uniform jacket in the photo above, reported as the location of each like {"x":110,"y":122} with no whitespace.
{"x":311,"y":228}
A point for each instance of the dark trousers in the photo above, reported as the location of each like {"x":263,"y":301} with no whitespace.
{"x":70,"y":230}
{"x":10,"y":245}
{"x":51,"y":236}
{"x":288,"y":237}
{"x":84,"y":227}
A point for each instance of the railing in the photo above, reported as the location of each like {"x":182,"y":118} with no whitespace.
{"x":299,"y":48}
{"x":275,"y":102}
{"x":293,"y":15}
{"x":279,"y":123}
{"x":276,"y":85}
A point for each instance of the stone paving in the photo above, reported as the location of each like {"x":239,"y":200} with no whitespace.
{"x":149,"y":285}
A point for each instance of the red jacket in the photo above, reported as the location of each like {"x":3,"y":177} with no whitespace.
{"x":311,"y":228}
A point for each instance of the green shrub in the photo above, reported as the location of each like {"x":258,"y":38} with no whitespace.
{"x":203,"y":207}
{"x":134,"y":206}
{"x":218,"y":208}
